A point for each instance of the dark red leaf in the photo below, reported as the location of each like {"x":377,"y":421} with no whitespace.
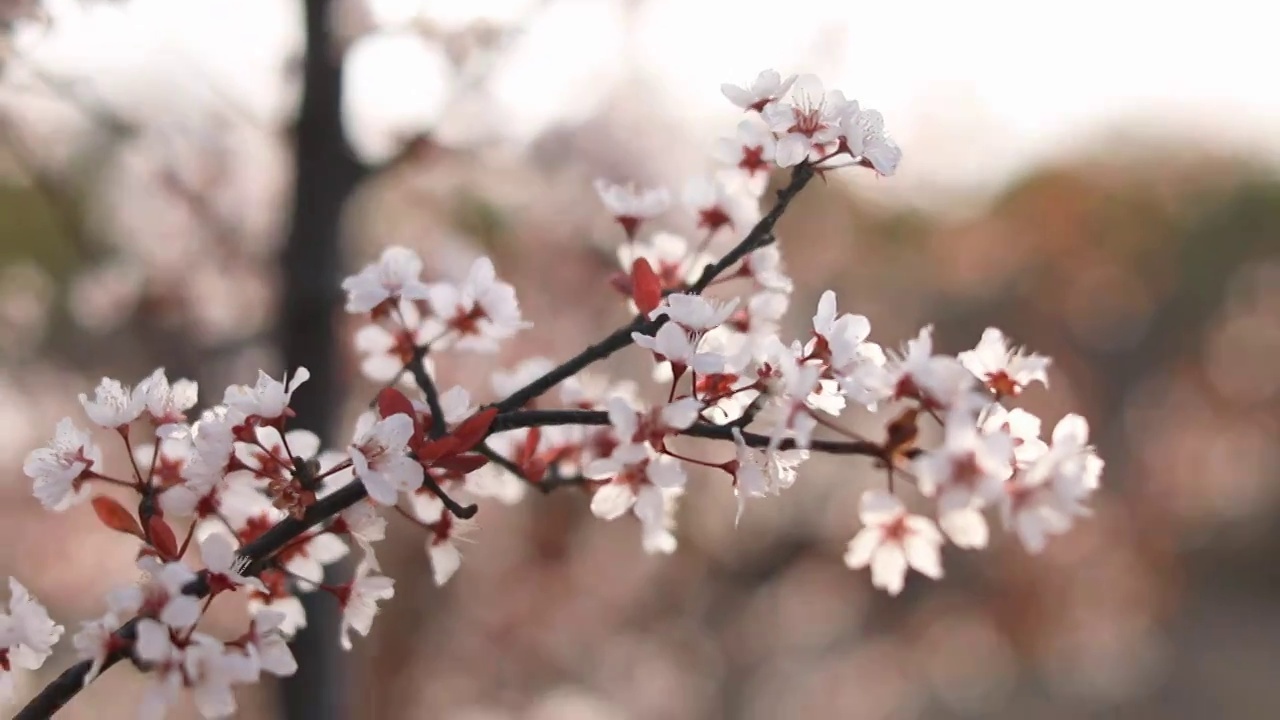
{"x":474,"y":429}
{"x":115,"y":516}
{"x":530,"y":448}
{"x":646,"y":288}
{"x":393,"y":402}
{"x":462,"y":464}
{"x":162,"y":538}
{"x":535,"y":470}
{"x":431,"y":451}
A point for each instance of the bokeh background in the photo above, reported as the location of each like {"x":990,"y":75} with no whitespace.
{"x":1098,"y":179}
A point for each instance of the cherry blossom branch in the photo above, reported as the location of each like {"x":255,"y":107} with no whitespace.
{"x":62,"y":689}
{"x":758,"y":237}
{"x":428,"y":387}
{"x":546,"y":418}
{"x":989,"y":455}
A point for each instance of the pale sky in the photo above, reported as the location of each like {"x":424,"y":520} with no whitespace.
{"x":973,"y":90}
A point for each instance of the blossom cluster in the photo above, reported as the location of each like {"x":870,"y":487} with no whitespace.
{"x":262,"y":508}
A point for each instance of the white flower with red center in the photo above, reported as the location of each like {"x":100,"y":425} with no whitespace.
{"x":966,"y":473}
{"x":359,"y":599}
{"x":385,"y":351}
{"x":153,"y":646}
{"x":1022,"y":427}
{"x":672,"y":260}
{"x":938,"y":382}
{"x":862,"y":132}
{"x":477,"y":314}
{"x":209,"y":670}
{"x":397,"y":275}
{"x":280,"y":600}
{"x":114,"y":406}
{"x":27,"y":635}
{"x":632,"y":475}
{"x":679,"y":347}
{"x":840,"y":341}
{"x":718,"y":202}
{"x":1005,"y":371}
{"x":271,"y":458}
{"x":444,"y":530}
{"x":59,"y":471}
{"x":751,"y":150}
{"x":768,"y":86}
{"x":809,"y":125}
{"x":1045,"y":498}
{"x":694,"y":312}
{"x":267,"y":644}
{"x":95,"y":641}
{"x":198,"y":662}
{"x":630,"y":205}
{"x":213,"y":438}
{"x":167,"y":403}
{"x":161,"y":597}
{"x":363,"y":524}
{"x":893,"y":541}
{"x":268,"y":400}
{"x":380,"y":457}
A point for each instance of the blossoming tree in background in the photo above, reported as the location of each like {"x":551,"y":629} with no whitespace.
{"x":236,"y":503}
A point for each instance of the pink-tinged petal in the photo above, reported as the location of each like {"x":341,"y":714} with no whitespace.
{"x":862,"y":547}
{"x":889,"y":568}
{"x":445,"y":561}
{"x":1071,"y":431}
{"x":923,"y":556}
{"x":967,"y":528}
{"x":792,"y":150}
{"x":612,"y":501}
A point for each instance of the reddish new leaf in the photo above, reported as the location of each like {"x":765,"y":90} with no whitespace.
{"x":433,"y":450}
{"x":115,"y":516}
{"x":393,"y":402}
{"x":474,"y":429}
{"x":530,"y":448}
{"x":646,"y":288}
{"x":462,"y":464}
{"x":535,"y":470}
{"x":162,"y":538}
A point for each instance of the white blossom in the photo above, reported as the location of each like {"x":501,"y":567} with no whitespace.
{"x":113,"y":406}
{"x":892,"y":541}
{"x":27,"y":634}
{"x":167,"y":403}
{"x":58,"y":471}
{"x":379,"y":455}
{"x":268,"y":399}
{"x":768,"y":86}
{"x":396,"y":275}
{"x":360,"y":600}
{"x":1006,"y":371}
